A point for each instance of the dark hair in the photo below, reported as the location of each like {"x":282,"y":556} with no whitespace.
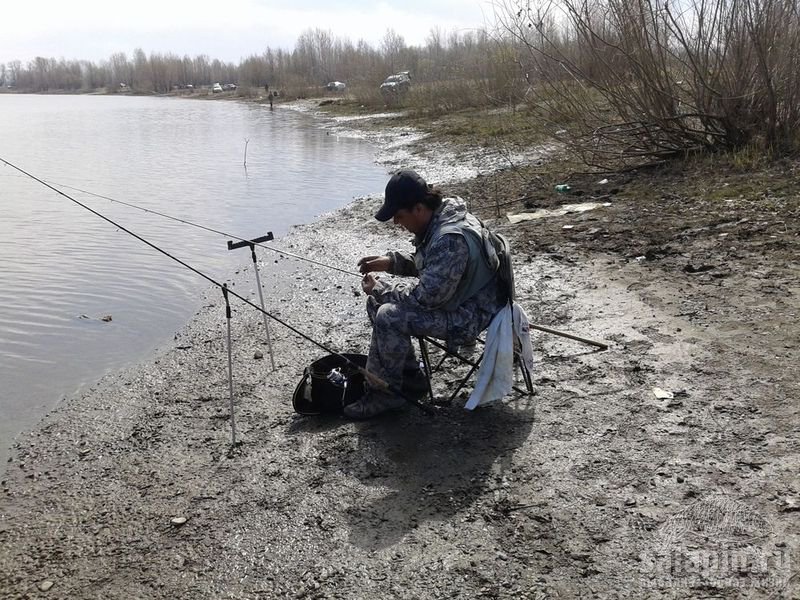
{"x":432,"y":199}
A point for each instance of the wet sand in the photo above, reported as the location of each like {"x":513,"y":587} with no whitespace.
{"x":594,"y":487}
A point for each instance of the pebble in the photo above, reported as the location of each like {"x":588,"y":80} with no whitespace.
{"x":630,"y":502}
{"x":258,"y":355}
{"x":46,"y":585}
{"x":178,"y":521}
{"x":790,"y":505}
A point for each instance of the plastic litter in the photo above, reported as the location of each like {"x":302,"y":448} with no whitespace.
{"x":556,"y":212}
{"x":662,"y":394}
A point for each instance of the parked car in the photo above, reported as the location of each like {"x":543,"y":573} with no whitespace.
{"x":229,"y":87}
{"x":216,"y":88}
{"x":336,"y":86}
{"x":395,"y":85}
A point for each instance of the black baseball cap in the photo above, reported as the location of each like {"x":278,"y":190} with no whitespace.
{"x":404,"y":190}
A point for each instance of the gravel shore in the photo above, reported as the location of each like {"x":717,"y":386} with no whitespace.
{"x":599,"y":485}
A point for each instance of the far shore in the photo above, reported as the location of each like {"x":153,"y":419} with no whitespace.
{"x":202,"y":93}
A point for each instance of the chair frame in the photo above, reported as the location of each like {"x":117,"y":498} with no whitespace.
{"x":474,"y":365}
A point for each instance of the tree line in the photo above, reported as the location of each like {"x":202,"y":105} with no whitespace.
{"x":620,"y":83}
{"x":317,"y":58}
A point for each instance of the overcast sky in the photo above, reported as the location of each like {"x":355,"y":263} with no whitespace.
{"x":228,"y":30}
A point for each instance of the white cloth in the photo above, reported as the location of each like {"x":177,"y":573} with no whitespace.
{"x":495,"y":379}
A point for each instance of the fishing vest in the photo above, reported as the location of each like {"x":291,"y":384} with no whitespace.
{"x":482,"y":263}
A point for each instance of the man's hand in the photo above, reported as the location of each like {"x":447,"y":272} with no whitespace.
{"x":373,"y":264}
{"x":368,"y":283}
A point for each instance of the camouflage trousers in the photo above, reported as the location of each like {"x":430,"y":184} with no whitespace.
{"x":391,"y":349}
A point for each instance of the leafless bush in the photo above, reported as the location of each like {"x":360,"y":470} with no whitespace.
{"x":640,"y":81}
{"x":367,"y":95}
{"x":443,"y":97}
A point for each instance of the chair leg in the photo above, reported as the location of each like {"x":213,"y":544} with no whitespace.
{"x":473,"y":364}
{"x":426,"y":364}
{"x":526,"y":377}
{"x":440,"y":363}
{"x":463,"y":381}
{"x":448,"y":353}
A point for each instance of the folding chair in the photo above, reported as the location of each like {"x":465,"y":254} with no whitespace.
{"x":505,"y":273}
{"x":474,"y":365}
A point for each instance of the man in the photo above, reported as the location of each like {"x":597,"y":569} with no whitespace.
{"x":456,"y":297}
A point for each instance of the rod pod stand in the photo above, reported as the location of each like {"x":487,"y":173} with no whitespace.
{"x":230,"y":363}
{"x":251,"y":243}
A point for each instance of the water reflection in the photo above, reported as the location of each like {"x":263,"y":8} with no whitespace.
{"x":58,"y":262}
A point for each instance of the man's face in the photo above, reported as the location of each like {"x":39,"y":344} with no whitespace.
{"x":413,"y":219}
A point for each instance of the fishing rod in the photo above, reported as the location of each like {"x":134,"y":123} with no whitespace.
{"x":373,"y":379}
{"x":542,"y":328}
{"x":203,"y":227}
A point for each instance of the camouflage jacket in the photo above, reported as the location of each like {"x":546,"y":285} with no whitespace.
{"x":445,"y":263}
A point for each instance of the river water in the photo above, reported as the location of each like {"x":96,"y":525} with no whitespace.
{"x":62,"y":269}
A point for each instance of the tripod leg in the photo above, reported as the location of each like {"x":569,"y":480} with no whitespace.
{"x":263,"y":308}
{"x":230,"y":365}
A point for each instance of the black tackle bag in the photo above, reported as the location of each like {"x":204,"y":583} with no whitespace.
{"x":329,"y":384}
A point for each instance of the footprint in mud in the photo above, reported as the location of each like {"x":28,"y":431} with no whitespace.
{"x":631,"y":346}
{"x":655,"y":335}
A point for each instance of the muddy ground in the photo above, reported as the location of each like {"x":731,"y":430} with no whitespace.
{"x":596,"y":486}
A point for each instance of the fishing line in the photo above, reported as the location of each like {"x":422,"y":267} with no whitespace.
{"x":600,"y":345}
{"x":204,"y":227}
{"x":374,"y":379}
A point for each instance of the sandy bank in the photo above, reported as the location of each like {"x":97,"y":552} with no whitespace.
{"x":595,"y":487}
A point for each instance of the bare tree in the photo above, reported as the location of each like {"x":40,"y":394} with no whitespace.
{"x":140,"y":79}
{"x":121,"y":70}
{"x":637,"y":82}
{"x":393,"y":45}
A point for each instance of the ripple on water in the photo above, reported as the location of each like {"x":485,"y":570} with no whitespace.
{"x":179,"y":157}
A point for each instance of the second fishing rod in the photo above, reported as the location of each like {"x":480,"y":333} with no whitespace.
{"x":542,"y":328}
{"x":374,"y":380}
